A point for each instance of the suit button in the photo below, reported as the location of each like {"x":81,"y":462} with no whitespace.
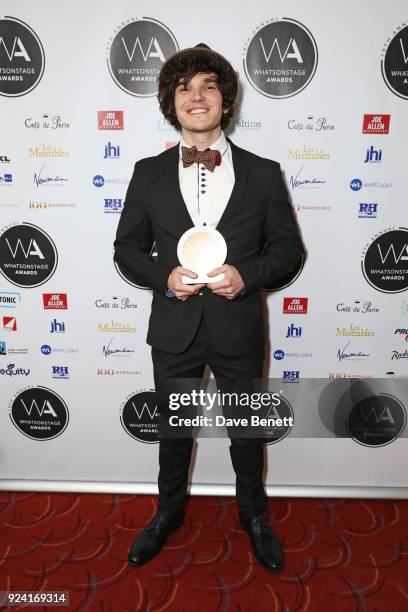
{"x":201,"y":293}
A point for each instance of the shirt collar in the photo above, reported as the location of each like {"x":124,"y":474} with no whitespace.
{"x":221,"y":144}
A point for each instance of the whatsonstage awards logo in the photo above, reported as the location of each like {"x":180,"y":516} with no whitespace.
{"x":139,"y":416}
{"x":136,"y":52}
{"x":22,"y":58}
{"x":394,"y":62}
{"x":28,"y":255}
{"x":385,"y":261}
{"x":376,"y":420}
{"x":39,"y":413}
{"x":280,"y":57}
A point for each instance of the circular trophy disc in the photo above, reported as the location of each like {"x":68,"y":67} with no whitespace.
{"x":201,"y":249}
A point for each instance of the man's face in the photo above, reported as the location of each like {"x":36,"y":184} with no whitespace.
{"x":198,"y":103}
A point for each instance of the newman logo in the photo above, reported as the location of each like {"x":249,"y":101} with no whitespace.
{"x":9,"y":324}
{"x":295,"y":305}
{"x":110,"y":120}
{"x":367,"y":210}
{"x":55,"y":301}
{"x":376,"y":124}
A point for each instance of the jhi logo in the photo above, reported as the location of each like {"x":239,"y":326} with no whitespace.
{"x":293,"y":331}
{"x":111,"y":151}
{"x":367,"y":210}
{"x":373,"y":156}
{"x":57,"y":327}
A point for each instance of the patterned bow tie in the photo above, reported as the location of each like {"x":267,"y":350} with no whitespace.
{"x":209,"y":158}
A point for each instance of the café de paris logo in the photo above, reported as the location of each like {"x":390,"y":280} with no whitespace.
{"x":22,"y":58}
{"x":394,"y":62}
{"x":280,"y":57}
{"x":136,"y":52}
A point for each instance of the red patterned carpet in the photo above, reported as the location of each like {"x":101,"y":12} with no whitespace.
{"x":341,"y":555}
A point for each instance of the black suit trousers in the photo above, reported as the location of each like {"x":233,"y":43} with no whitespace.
{"x":247,"y":454}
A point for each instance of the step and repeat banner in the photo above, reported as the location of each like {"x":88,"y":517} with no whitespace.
{"x":324,"y":91}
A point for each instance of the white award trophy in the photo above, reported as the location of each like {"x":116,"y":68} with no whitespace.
{"x":201,"y":250}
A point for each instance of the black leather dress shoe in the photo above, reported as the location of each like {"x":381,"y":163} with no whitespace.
{"x":150,"y":541}
{"x":266,"y":545}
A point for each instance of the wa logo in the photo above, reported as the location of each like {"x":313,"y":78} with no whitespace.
{"x":28,"y":255}
{"x":32,"y":249}
{"x":39,"y":413}
{"x":291,"y":51}
{"x":385,"y":261}
{"x":139,"y":416}
{"x":376,"y":420}
{"x":394,"y":63}
{"x":136,"y":54}
{"x":281,"y":58}
{"x":22,"y":58}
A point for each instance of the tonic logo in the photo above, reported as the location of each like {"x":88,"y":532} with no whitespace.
{"x":32,"y":249}
{"x":294,"y":54}
{"x":145,"y":408}
{"x":153,"y":50}
{"x":17,"y":50}
{"x":45,"y":409}
{"x":391,"y":249}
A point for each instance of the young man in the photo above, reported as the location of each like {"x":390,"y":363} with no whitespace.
{"x":207,"y":180}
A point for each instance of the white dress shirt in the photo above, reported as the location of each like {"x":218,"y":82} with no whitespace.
{"x":206,"y":193}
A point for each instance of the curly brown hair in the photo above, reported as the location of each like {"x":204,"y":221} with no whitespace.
{"x":184,"y":65}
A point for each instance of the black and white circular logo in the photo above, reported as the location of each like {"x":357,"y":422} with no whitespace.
{"x":28,"y":256}
{"x":39,"y":413}
{"x":283,"y":411}
{"x":376,"y":420}
{"x":289,"y":278}
{"x":385,"y":261}
{"x":394,"y":64}
{"x":22,"y":58}
{"x":136,"y":54}
{"x":127,"y":275}
{"x":139,"y":416}
{"x":281,"y":58}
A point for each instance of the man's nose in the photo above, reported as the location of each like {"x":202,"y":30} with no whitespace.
{"x":198,"y":94}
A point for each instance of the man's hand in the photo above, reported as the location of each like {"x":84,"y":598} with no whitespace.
{"x":182,"y":291}
{"x":230,"y":286}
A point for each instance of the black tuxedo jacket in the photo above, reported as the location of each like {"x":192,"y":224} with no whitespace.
{"x":262,"y":241}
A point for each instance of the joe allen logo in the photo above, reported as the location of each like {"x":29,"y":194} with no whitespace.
{"x":21,"y":58}
{"x":295,"y":305}
{"x":55,"y":301}
{"x":280,"y":59}
{"x":28,"y":256}
{"x":39,"y":413}
{"x":394,"y":63}
{"x":376,"y":124}
{"x":136,"y":54}
{"x":385,"y":261}
{"x":110,"y":120}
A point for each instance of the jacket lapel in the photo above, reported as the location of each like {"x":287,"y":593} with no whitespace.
{"x":241,"y":176}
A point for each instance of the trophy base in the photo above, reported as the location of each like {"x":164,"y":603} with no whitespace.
{"x":201,"y":278}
